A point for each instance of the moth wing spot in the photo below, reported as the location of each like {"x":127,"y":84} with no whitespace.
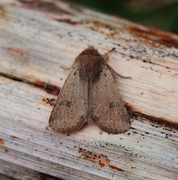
{"x":117,"y":104}
{"x":64,"y":102}
{"x":111,"y":105}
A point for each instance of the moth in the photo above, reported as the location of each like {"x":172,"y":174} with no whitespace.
{"x":90,"y":94}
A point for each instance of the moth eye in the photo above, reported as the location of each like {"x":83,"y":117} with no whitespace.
{"x":111,"y":105}
{"x":67,"y":103}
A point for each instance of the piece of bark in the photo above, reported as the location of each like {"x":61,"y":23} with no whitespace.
{"x":37,"y":39}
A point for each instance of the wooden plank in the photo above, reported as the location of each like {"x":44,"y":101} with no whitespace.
{"x":37,"y":39}
{"x":17,"y":172}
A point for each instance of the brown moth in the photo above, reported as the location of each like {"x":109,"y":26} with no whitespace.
{"x":90,"y":93}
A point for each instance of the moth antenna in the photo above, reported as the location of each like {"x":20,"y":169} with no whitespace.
{"x":105,"y":55}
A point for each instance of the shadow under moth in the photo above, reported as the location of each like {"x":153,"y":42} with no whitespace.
{"x":90,"y":93}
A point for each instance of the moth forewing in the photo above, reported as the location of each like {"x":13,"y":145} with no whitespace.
{"x":69,"y":112}
{"x":108,"y":110}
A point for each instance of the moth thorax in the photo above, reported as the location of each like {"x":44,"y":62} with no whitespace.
{"x":89,"y":70}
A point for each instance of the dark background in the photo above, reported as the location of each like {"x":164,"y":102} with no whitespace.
{"x":162,"y":14}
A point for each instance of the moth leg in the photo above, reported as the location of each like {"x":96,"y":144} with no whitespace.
{"x":105,"y":56}
{"x":66,"y":68}
{"x":115,"y":73}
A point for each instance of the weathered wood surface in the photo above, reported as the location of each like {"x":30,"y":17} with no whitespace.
{"x":37,"y":38}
